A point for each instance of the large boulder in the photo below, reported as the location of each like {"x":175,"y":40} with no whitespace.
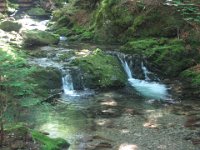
{"x":37,"y":12}
{"x":191,"y":79}
{"x":99,"y":70}
{"x":47,"y":79}
{"x":9,"y":26}
{"x":39,"y":38}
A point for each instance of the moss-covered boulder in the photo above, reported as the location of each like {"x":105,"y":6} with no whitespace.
{"x":9,"y":26}
{"x":100,"y":70}
{"x":168,"y":55}
{"x":37,"y":12}
{"x":49,"y":143}
{"x":46,"y":80}
{"x":191,"y":78}
{"x":39,"y":38}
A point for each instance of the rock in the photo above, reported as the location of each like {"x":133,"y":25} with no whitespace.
{"x":103,"y":145}
{"x":37,"y":12}
{"x":99,"y":70}
{"x":47,"y":79}
{"x":39,"y":38}
{"x":10,"y":26}
{"x":17,"y":145}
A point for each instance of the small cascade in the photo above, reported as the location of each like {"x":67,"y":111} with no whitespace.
{"x":145,"y":86}
{"x":145,"y":71}
{"x":72,"y":85}
{"x":67,"y":84}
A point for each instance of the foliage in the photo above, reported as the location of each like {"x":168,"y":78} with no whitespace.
{"x":14,"y":72}
{"x":190,"y":10}
{"x":193,"y":75}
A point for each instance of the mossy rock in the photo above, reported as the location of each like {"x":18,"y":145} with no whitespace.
{"x":37,"y":12}
{"x":62,"y":22}
{"x":49,"y":143}
{"x":10,"y":26}
{"x":191,"y":78}
{"x":100,"y":70}
{"x":62,"y":31}
{"x":168,"y":55}
{"x":46,"y":80}
{"x":34,"y":38}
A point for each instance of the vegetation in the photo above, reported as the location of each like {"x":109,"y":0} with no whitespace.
{"x":49,"y":143}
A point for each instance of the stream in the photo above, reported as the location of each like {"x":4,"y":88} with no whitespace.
{"x":144,"y":115}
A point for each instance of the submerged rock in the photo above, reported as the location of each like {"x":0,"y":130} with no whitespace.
{"x":39,"y":38}
{"x":99,"y":70}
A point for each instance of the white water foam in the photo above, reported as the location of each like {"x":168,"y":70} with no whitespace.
{"x":147,"y":88}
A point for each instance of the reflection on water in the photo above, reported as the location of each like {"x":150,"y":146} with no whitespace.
{"x":112,"y":120}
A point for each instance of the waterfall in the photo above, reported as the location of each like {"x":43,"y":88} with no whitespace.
{"x":68,"y":87}
{"x":71,"y":88}
{"x":145,"y":71}
{"x":146,"y":87}
{"x":125,"y":66}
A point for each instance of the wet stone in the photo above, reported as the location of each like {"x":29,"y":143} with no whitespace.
{"x":192,"y":121}
{"x":103,"y":146}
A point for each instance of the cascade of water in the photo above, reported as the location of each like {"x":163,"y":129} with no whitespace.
{"x":125,"y":65}
{"x":145,"y":87}
{"x":67,"y":83}
{"x":145,"y":71}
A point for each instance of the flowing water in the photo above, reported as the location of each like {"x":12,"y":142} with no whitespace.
{"x":137,"y":117}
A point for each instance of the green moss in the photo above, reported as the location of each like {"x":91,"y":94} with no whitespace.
{"x":46,"y":80}
{"x":101,"y":70}
{"x":37,"y":11}
{"x":63,"y":21}
{"x":62,"y":31}
{"x":169,"y":55}
{"x":49,"y":143}
{"x":193,"y":76}
{"x":10,"y":26}
{"x":87,"y":35}
{"x":39,"y":38}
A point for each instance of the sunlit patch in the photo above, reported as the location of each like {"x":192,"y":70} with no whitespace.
{"x":83,"y":53}
{"x":126,"y":146}
{"x":125,"y":131}
{"x":109,"y":102}
{"x":152,"y":119}
{"x":56,"y":130}
{"x":162,"y":147}
{"x":103,"y":122}
{"x":150,"y":125}
{"x":9,"y":51}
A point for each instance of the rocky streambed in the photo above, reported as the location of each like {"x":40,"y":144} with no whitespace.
{"x":110,"y":117}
